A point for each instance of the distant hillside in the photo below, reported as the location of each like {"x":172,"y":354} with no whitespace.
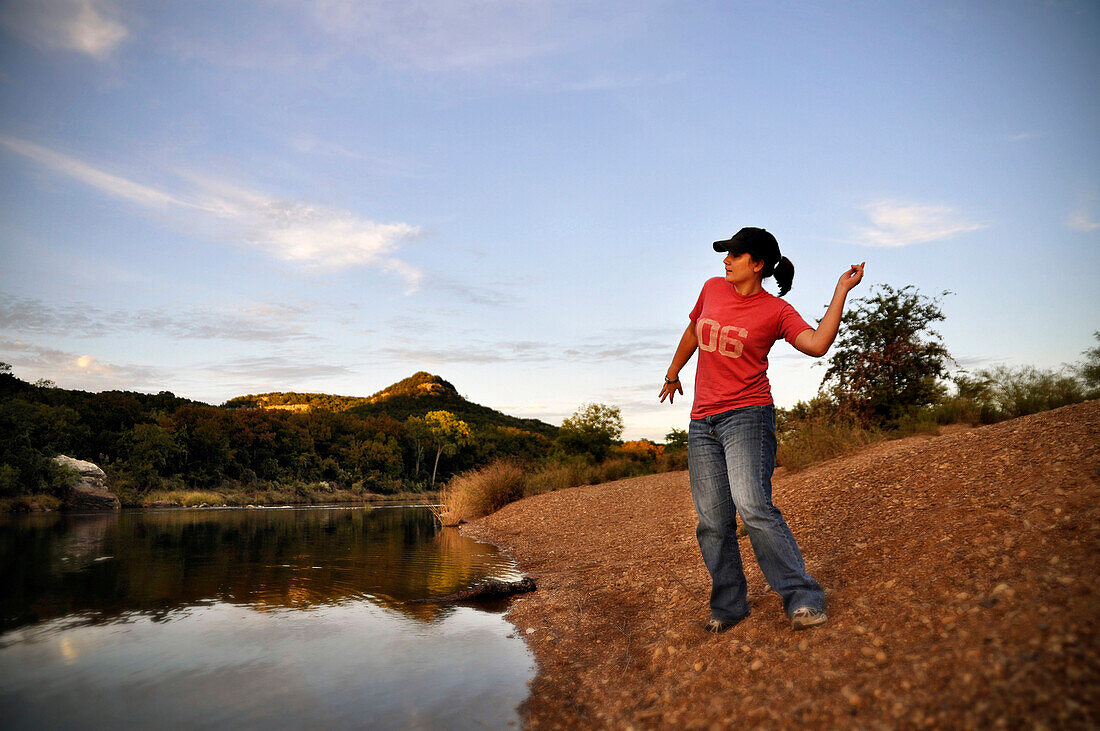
{"x":293,"y":401}
{"x":414,"y":396}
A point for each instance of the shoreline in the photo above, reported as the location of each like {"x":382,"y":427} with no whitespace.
{"x":960,"y":571}
{"x":17,"y":506}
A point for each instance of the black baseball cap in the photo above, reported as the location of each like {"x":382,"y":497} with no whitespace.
{"x":756,"y":242}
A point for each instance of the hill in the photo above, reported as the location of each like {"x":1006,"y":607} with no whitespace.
{"x":414,"y":396}
{"x":961,"y":572}
{"x":276,"y":447}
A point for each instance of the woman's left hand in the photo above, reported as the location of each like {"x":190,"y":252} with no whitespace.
{"x":669,"y":390}
{"x":851,"y":278}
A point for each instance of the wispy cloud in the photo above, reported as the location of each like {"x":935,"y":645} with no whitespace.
{"x":275,"y":370}
{"x":1084,"y":218}
{"x":900,"y":223}
{"x":83,"y":26}
{"x":626,"y":346}
{"x":114,"y":185}
{"x":75,"y":370}
{"x":476,"y":294}
{"x":270,"y":323}
{"x":426,"y":36}
{"x":438,"y":35}
{"x":379,"y":163}
{"x":1022,"y":136}
{"x":611,"y":82}
{"x":216,"y":381}
{"x":309,"y":235}
{"x":639,"y":405}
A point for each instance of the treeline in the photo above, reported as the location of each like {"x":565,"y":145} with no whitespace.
{"x":889,"y":374}
{"x":154,"y":443}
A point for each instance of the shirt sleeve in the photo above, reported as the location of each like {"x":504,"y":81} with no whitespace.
{"x":698,"y":309}
{"x":791,"y":324}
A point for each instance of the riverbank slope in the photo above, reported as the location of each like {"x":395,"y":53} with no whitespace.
{"x":961,"y":571}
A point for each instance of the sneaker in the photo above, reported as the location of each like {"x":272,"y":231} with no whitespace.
{"x":717,"y":626}
{"x":807,"y":617}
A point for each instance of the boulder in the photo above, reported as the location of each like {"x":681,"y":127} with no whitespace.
{"x":88,"y":489}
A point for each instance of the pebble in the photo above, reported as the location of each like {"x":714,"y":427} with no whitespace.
{"x":851,"y":696}
{"x":756,"y":665}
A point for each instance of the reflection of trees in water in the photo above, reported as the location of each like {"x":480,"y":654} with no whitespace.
{"x":269,"y":559}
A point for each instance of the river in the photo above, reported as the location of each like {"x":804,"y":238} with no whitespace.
{"x":275,"y":617}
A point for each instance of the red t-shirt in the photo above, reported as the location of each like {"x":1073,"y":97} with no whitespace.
{"x":735,"y":335}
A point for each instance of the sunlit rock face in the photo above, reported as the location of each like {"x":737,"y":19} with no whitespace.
{"x":88,"y":490}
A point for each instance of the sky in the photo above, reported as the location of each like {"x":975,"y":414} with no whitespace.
{"x":520,"y":196}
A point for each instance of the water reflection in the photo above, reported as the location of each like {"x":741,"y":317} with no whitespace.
{"x":286,"y":618}
{"x":104,"y":566}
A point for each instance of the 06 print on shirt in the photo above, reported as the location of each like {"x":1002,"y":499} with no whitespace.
{"x":712,"y":336}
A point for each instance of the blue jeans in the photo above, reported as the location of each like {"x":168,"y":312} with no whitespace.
{"x":731,"y":457}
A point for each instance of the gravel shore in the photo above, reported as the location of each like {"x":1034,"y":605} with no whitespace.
{"x":961,"y":573}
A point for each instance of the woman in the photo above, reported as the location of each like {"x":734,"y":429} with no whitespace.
{"x":731,"y":439}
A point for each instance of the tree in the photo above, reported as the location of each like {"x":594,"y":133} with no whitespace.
{"x":888,"y":360}
{"x":676,"y":439}
{"x":591,"y":430}
{"x":1089,"y":370}
{"x":421,"y":435}
{"x":447,"y":433}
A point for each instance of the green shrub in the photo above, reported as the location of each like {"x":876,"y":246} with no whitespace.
{"x":922,"y":421}
{"x":958,"y":410}
{"x":996,"y":394}
{"x":9,"y":481}
{"x":673,"y":460}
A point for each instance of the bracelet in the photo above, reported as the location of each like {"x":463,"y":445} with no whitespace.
{"x":674,"y":380}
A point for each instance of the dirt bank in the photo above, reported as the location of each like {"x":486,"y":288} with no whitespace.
{"x":961,"y":573}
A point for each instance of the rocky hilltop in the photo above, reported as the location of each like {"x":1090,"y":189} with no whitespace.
{"x":413,"y":396}
{"x":961,"y":571}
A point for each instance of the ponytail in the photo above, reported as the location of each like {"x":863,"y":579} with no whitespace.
{"x":784,"y":275}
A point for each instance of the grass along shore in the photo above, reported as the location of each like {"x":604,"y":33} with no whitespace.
{"x":487,"y":489}
{"x":484,"y":490}
{"x":229,"y":497}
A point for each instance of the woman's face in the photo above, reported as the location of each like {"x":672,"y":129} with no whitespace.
{"x":741,"y":267}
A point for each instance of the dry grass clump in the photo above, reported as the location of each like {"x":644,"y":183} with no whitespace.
{"x":184,"y":498}
{"x":34,"y":503}
{"x":558,"y":476}
{"x":480,"y":492}
{"x":488,"y":489}
{"x":819,"y":439}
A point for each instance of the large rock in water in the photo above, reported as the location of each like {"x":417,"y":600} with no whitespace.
{"x":87,"y":491}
